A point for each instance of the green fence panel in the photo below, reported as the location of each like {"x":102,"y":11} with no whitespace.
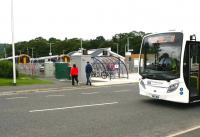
{"x":68,"y":73}
{"x":62,"y":71}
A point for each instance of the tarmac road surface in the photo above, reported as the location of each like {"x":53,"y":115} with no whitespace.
{"x":107,"y":111}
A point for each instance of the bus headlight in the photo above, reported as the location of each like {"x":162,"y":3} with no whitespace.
{"x":172,"y":87}
{"x":142,"y":84}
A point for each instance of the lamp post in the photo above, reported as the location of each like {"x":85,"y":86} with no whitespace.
{"x":27,"y":51}
{"x":13,"y":44}
{"x":32,"y":61}
{"x":117,"y":47}
{"x":50,"y":53}
{"x":19,"y":52}
{"x":32,"y":54}
{"x":81,"y":47}
{"x":128,"y":44}
{"x":64,"y":51}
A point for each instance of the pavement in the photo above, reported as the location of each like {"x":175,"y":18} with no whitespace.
{"x":58,"y":84}
{"x":101,"y":82}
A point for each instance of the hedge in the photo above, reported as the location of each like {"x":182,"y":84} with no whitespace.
{"x":6,"y":69}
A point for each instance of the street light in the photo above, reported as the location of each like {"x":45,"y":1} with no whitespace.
{"x":32,"y":62}
{"x":32,"y":54}
{"x":117,"y":47}
{"x":13,"y":44}
{"x":126,"y":49}
{"x":64,"y":51}
{"x":50,"y":53}
{"x":81,"y":47}
{"x":27,"y":51}
{"x":20,"y":52}
{"x":128,"y":44}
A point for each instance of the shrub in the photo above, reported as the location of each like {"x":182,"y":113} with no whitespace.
{"x":6,"y":69}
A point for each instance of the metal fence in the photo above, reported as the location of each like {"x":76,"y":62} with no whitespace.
{"x":34,"y":69}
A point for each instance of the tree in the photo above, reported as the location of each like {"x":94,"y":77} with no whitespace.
{"x":41,"y":46}
{"x":135,"y":39}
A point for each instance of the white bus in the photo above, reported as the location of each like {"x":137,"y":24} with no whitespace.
{"x":169,"y":67}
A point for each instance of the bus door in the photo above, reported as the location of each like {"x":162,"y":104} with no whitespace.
{"x":192,"y":69}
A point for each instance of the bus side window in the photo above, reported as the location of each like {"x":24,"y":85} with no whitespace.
{"x":194,"y":53}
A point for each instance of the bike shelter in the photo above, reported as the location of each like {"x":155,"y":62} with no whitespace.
{"x":109,"y":66}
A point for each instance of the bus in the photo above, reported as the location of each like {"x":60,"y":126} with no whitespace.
{"x":169,"y":67}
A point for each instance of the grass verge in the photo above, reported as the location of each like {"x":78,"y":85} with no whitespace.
{"x":23,"y":81}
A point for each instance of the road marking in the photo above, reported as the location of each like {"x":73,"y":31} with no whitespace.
{"x":184,"y":131}
{"x":72,"y":107}
{"x":55,"y":95}
{"x":76,"y":88}
{"x":16,"y":98}
{"x":91,"y":87}
{"x":59,"y":89}
{"x":121,"y":91}
{"x":89,"y":93}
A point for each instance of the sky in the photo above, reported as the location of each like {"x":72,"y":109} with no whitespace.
{"x":88,"y":19}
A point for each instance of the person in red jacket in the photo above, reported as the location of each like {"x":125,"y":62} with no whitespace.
{"x":74,"y":74}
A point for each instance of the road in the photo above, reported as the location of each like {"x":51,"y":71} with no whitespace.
{"x":109,"y":111}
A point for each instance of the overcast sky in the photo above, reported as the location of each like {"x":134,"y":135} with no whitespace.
{"x":88,"y":19}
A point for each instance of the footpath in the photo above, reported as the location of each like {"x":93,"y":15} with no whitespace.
{"x":59,"y":84}
{"x":133,"y":78}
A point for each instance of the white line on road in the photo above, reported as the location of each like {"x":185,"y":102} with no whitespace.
{"x":184,"y":131}
{"x":72,"y":107}
{"x":121,"y":91}
{"x":16,"y":98}
{"x":60,"y":89}
{"x":89,"y":93}
{"x":91,"y":87}
{"x":55,"y":95}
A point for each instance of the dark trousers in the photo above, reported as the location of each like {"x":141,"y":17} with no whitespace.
{"x":88,"y":78}
{"x":74,"y":78}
